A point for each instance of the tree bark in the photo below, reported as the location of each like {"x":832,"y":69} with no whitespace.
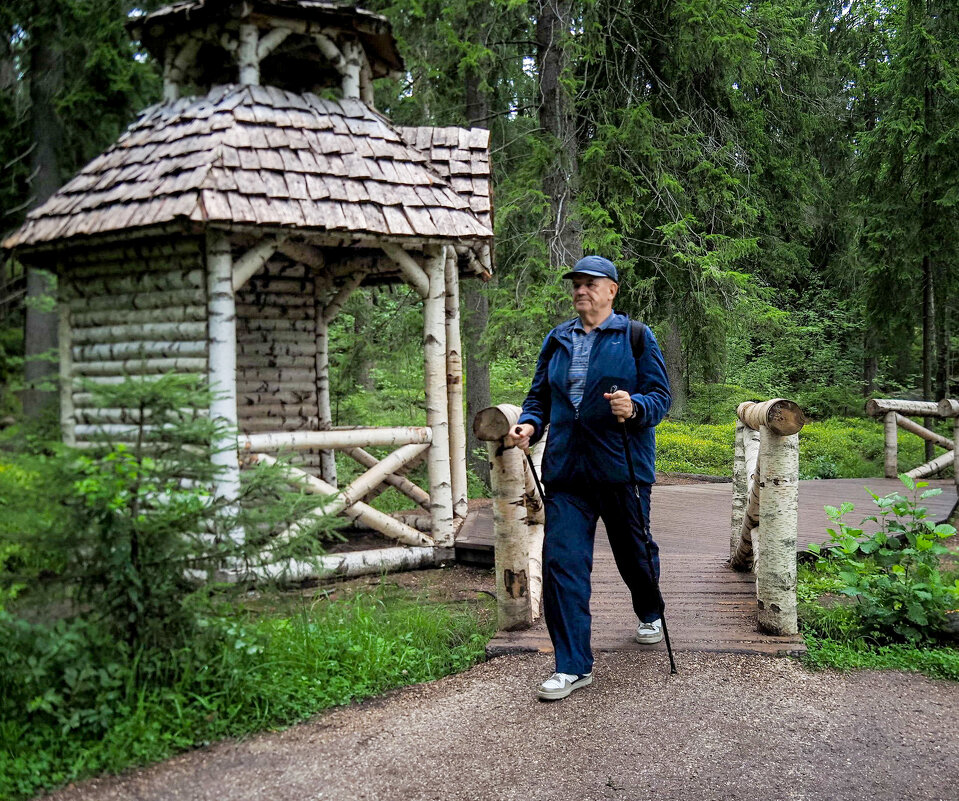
{"x":476,"y":311}
{"x":675,"y":368}
{"x":564,"y":236}
{"x":40,"y":326}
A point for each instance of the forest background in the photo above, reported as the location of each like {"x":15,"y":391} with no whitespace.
{"x":777,"y":182}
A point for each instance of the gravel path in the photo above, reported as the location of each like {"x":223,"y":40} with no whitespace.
{"x":726,"y":727}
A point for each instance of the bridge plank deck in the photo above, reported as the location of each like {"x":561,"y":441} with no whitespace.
{"x":709,"y":606}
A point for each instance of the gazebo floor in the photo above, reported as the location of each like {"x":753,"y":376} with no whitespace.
{"x":708,"y":606}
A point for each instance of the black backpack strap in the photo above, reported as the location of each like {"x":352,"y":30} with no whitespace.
{"x":637,"y":340}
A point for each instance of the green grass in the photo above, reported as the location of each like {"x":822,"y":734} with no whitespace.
{"x":825,"y":653}
{"x":269,"y":672}
{"x":835,"y":448}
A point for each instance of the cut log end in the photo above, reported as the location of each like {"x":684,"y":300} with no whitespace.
{"x":782,"y":417}
{"x":494,"y":422}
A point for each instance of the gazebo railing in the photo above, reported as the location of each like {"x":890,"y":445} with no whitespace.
{"x":765,"y":519}
{"x":412,"y":443}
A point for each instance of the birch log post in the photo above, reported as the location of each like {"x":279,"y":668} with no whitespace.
{"x":68,"y":418}
{"x":536,"y":531}
{"x":778,"y":528}
{"x":222,"y":364}
{"x":246,"y":58}
{"x":891,"y":446}
{"x":950,"y":408}
{"x":437,"y":402}
{"x":454,"y":386}
{"x":511,"y":546}
{"x":741,"y":558}
{"x":325,"y":314}
{"x":740,"y":488}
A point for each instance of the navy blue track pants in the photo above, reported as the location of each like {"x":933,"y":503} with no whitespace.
{"x":571,"y":515}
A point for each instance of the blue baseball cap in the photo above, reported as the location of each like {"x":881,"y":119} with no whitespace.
{"x":594,"y":265}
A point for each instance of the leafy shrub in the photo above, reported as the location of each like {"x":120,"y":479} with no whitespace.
{"x":893,"y":575}
{"x":685,"y":448}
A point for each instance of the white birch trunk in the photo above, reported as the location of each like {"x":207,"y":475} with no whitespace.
{"x":879,"y":407}
{"x":222,"y":364}
{"x":412,"y":273}
{"x":922,"y":432}
{"x":511,"y":547}
{"x":437,"y":403}
{"x":935,"y":466}
{"x":67,"y":411}
{"x":740,"y":488}
{"x":742,"y":557}
{"x":536,"y":530}
{"x":351,"y":565}
{"x":246,"y":59}
{"x":778,"y":530}
{"x":324,"y":408}
{"x":337,"y":438}
{"x":353,"y":56}
{"x":358,"y":511}
{"x":891,"y":449}
{"x":782,"y":417}
{"x":454,"y":386}
{"x":398,"y":482}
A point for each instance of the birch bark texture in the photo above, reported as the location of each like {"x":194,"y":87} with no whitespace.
{"x":778,"y":528}
{"x":437,"y":401}
{"x":454,"y":386}
{"x":222,"y":363}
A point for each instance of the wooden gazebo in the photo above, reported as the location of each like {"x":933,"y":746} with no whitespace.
{"x":227,"y":226}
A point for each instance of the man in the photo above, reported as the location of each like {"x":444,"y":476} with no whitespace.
{"x":588,"y":380}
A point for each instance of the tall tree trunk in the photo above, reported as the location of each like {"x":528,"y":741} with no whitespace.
{"x":943,"y":356}
{"x":564,"y":235}
{"x":361,"y":333}
{"x":928,"y":288}
{"x":675,"y":366}
{"x":40,"y":327}
{"x":476,"y":315}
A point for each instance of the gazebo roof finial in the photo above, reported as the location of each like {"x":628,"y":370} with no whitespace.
{"x":296,"y":45}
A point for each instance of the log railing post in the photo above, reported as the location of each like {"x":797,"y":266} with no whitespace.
{"x":891,"y":463}
{"x":437,"y":400}
{"x":518,"y":518}
{"x":778,"y":529}
{"x":766,"y":504}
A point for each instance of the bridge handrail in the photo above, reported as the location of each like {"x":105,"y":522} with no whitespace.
{"x":894,"y":413}
{"x":765,"y":519}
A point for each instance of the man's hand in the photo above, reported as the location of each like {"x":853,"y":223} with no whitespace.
{"x":620,"y":404}
{"x":519,"y":436}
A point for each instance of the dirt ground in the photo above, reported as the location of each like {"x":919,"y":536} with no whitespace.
{"x":726,"y":727}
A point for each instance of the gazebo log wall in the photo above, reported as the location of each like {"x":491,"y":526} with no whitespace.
{"x":130,"y":310}
{"x":276,"y":353}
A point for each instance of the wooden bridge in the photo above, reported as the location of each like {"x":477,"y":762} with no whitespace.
{"x":709,"y":606}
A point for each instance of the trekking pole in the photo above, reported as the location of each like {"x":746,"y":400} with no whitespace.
{"x":649,"y":555}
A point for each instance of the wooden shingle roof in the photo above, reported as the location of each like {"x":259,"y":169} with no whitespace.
{"x":462,"y":156}
{"x":260,"y":156}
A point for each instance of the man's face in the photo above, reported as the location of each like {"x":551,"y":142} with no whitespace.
{"x":593,"y":295}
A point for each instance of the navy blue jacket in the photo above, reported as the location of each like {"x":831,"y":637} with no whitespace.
{"x":588,"y":443}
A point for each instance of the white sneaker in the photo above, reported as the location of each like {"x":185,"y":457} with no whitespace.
{"x":650,"y":633}
{"x":559,"y":685}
